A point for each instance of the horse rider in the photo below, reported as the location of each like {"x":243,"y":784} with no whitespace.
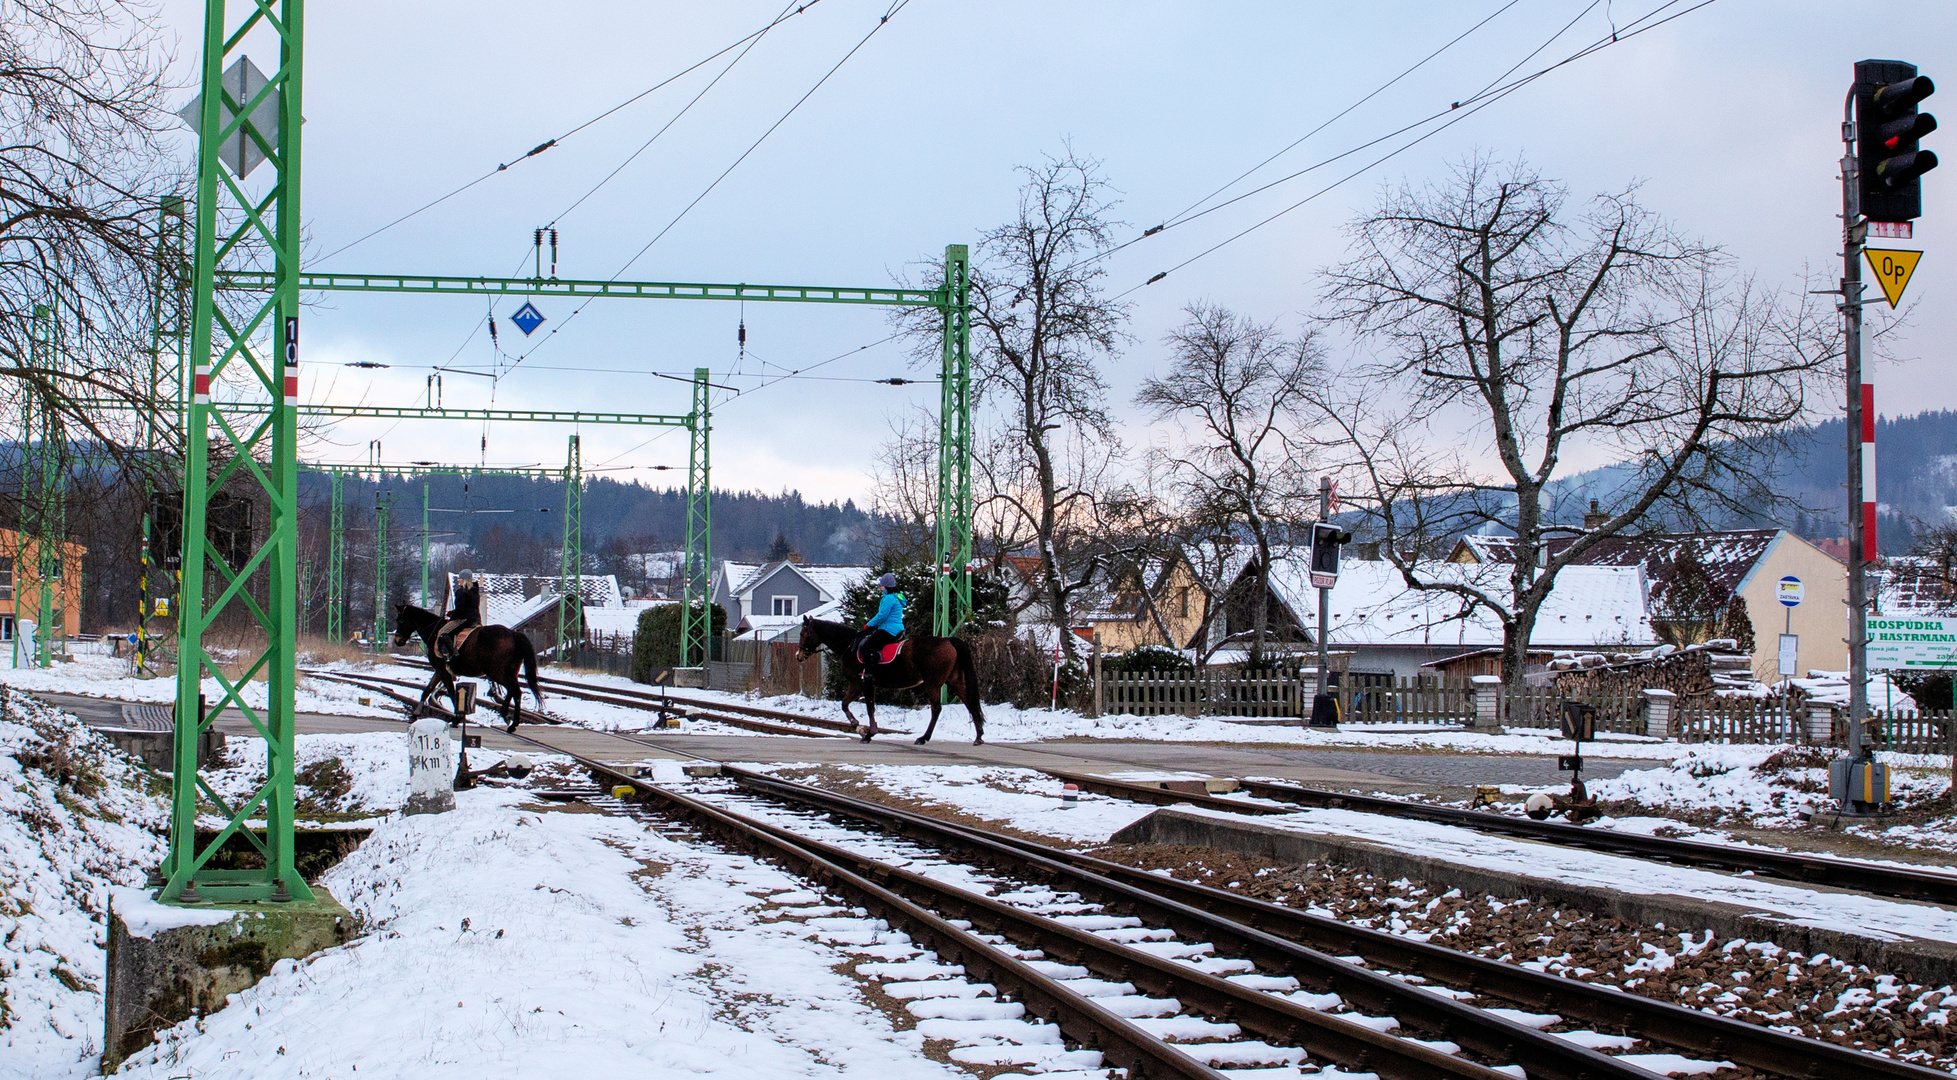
{"x":886,"y":626}
{"x":466,"y":613}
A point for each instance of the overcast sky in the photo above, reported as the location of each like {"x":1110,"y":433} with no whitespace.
{"x":1729,"y":116}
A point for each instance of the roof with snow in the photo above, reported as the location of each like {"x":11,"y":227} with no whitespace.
{"x":1913,"y":585}
{"x":1373,"y":606}
{"x":1682,"y":569}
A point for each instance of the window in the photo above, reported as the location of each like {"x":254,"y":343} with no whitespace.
{"x":6,"y":627}
{"x":784,"y":605}
{"x":6,"y":584}
{"x":1182,"y":602}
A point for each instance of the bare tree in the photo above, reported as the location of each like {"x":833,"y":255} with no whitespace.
{"x":1242,"y":391}
{"x":1041,"y":325}
{"x":1512,"y":333}
{"x":82,"y":175}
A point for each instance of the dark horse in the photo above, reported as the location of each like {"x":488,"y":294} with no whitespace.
{"x":928,"y":662}
{"x":495,"y":653}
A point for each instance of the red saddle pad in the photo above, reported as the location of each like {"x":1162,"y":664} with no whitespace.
{"x":889,"y":652}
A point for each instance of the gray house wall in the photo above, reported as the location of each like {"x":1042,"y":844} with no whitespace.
{"x":783,"y":582}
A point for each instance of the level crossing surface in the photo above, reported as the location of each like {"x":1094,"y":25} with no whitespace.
{"x":1391,"y":771}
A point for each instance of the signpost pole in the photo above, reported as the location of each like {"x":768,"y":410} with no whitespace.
{"x":1861,"y":510}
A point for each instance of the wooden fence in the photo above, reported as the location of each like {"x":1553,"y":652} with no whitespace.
{"x":1542,"y":707}
{"x":1409,"y":701}
{"x":1904,"y":733}
{"x":767,"y":667}
{"x":1739,"y":720}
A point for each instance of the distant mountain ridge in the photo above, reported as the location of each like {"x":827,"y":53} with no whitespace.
{"x":1916,"y":479}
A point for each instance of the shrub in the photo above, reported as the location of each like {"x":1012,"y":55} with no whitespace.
{"x":656,"y":640}
{"x":1931,"y":689}
{"x":1149,"y":658}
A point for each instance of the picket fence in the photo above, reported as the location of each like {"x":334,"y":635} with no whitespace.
{"x":1189,"y":693}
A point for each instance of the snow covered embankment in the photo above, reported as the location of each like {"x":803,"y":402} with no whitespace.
{"x":504,"y":940}
{"x":76,"y":816}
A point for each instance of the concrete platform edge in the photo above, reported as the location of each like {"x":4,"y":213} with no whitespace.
{"x":1933,"y":963}
{"x":157,"y":981}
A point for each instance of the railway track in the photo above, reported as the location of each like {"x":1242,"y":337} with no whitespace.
{"x":1239,"y":983}
{"x":647,"y":702}
{"x":1876,"y":879}
{"x":748,"y":717}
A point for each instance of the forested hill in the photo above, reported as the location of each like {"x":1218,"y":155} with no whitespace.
{"x":1916,"y":478}
{"x":745,"y":523}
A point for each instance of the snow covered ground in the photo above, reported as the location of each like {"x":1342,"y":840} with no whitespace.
{"x":110,"y":677}
{"x":76,"y":817}
{"x":1008,"y":724}
{"x":504,"y":941}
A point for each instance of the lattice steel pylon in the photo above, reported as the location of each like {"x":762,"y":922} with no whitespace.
{"x":696,"y":628}
{"x":168,"y":320}
{"x":255,"y":449}
{"x":43,"y":521}
{"x":336,"y":561}
{"x":382,"y":499}
{"x":570,"y":562}
{"x":952,"y":599}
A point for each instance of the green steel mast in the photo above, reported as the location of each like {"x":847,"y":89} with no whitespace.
{"x":952,"y":598}
{"x":696,"y":627}
{"x":570,"y":562}
{"x":245,"y":119}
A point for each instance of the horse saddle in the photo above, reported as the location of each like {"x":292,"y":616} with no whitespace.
{"x":884,"y":655}
{"x":462,"y":636}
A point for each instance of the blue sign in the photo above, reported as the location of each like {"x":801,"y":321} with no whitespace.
{"x":527,"y":318}
{"x":1789,"y":590}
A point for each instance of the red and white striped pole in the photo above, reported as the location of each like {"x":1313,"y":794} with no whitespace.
{"x":1869,"y":550}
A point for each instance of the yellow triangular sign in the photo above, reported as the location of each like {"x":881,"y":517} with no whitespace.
{"x":1892,"y":270}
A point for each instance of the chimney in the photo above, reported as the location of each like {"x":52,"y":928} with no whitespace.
{"x":795,"y":557}
{"x":1595,"y":519}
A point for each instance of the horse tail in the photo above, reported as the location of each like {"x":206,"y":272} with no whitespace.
{"x":968,"y":670}
{"x":530,"y":666}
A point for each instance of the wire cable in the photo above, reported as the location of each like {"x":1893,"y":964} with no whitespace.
{"x":1336,"y":117}
{"x":547,"y":144}
{"x":1451,"y":109}
{"x":884,"y":20}
{"x":1460,"y":110}
{"x":786,"y":13}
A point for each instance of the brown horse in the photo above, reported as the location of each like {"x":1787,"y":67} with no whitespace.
{"x":927,"y":662}
{"x":496,"y":653}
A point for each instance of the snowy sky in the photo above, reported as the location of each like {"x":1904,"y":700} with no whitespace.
{"x":1728,"y":115}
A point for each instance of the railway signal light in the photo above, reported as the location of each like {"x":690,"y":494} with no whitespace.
{"x":1325,"y":541}
{"x":1888,"y":126}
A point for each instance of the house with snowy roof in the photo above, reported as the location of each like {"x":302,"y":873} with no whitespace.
{"x":1126,"y":603}
{"x":768,"y":601}
{"x":1390,"y":629}
{"x":529,"y":603}
{"x":1720,"y":584}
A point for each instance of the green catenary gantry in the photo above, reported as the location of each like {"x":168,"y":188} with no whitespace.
{"x":250,"y":121}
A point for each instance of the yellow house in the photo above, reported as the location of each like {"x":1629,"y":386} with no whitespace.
{"x":20,"y":583}
{"x":1157,"y":602}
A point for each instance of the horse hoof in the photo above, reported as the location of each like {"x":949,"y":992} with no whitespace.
{"x":509,"y":729}
{"x":868,"y":735}
{"x":922,"y":739}
{"x":979,"y":741}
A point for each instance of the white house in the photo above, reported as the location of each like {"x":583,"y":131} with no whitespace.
{"x":1391,"y":629}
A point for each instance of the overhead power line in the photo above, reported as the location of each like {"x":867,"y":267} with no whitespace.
{"x":1456,"y":112}
{"x":882,"y":21}
{"x":797,"y":9}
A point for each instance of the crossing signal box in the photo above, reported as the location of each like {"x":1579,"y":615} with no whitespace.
{"x":1325,"y":541}
{"x":1889,"y":160}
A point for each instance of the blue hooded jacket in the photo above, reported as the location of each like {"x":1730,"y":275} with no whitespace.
{"x":890,"y":615}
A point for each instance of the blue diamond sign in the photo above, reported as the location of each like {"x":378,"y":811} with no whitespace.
{"x":527,"y":318}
